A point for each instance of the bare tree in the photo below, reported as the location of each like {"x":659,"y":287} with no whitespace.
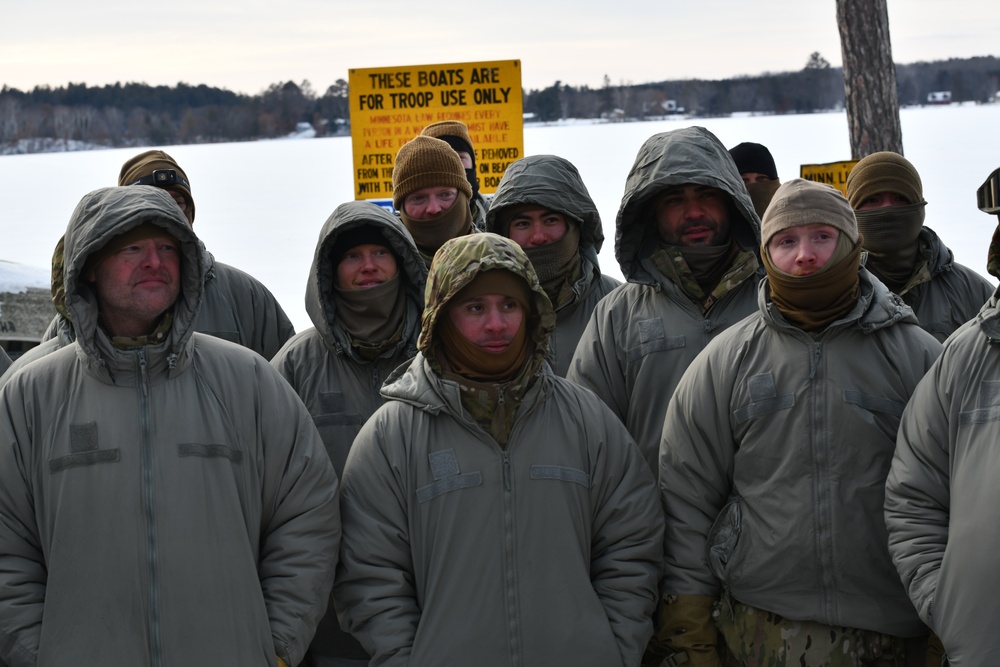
{"x":869,"y":77}
{"x":10,"y":111}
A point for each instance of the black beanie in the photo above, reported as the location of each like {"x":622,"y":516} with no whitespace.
{"x":751,"y":158}
{"x":455,"y":133}
{"x":352,"y":238}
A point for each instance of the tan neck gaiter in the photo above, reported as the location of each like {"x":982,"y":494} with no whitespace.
{"x":813,"y":302}
{"x":429,"y":235}
{"x":761,"y":194}
{"x":461,"y":356}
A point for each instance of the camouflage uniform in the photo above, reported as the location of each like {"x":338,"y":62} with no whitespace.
{"x":492,"y":406}
{"x":463,"y":550}
{"x":757,"y":638}
{"x":670,"y":261}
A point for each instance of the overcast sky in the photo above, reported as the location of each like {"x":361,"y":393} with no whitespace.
{"x":245,"y":46}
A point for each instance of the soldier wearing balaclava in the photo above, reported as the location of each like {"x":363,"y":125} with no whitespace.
{"x":887,"y":195}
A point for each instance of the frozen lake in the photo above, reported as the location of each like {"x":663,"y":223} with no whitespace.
{"x":260,"y":205}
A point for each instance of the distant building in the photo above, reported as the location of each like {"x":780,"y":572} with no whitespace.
{"x":939,"y":97}
{"x":25,"y":306}
{"x":670,"y":107}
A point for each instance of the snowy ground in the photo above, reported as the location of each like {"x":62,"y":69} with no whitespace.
{"x":260,"y":205}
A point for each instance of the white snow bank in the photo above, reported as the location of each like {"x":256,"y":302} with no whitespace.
{"x":18,"y":278}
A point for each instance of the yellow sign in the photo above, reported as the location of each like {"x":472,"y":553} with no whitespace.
{"x":391,"y":105}
{"x":831,"y":173}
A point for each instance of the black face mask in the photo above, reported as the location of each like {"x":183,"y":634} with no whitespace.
{"x":470,"y":175}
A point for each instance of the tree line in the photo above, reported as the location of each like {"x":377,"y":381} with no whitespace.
{"x":816,"y":87}
{"x":137,"y":114}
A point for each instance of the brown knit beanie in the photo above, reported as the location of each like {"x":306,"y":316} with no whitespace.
{"x":426,"y":162}
{"x":800,"y":202}
{"x":883,"y":172}
{"x":144,"y":164}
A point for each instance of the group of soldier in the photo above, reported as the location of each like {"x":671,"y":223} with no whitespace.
{"x":485,"y":451}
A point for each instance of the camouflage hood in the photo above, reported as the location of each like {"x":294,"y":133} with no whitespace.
{"x":689,"y":155}
{"x":109,"y":212}
{"x":320,"y":304}
{"x":459,"y":261}
{"x":555,"y":183}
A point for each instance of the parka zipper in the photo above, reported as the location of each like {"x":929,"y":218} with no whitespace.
{"x":155,"y":645}
{"x":513,"y":627}
{"x":822,"y":455}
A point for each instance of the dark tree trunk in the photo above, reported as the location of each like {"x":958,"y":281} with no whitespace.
{"x":869,"y":77}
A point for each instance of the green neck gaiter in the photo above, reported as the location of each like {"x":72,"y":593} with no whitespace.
{"x":695,"y":270}
{"x":558,"y":265}
{"x":372,"y":317}
{"x":890,"y":236}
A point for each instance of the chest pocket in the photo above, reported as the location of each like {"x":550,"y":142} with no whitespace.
{"x":333,"y":411}
{"x":653,"y":338}
{"x":84,"y":449}
{"x":989,"y":405}
{"x":210,"y":451}
{"x":561,"y":473}
{"x":447,"y":476}
{"x":764,"y":398}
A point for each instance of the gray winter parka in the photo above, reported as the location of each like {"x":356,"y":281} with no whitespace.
{"x":459,"y":552}
{"x":339,"y":387}
{"x":159,"y":505}
{"x":950,"y":294}
{"x":240,"y":309}
{"x":643,"y":335}
{"x":555,"y":183}
{"x":942,"y":494}
{"x":773,"y":461}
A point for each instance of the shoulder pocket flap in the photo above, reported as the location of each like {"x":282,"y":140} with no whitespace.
{"x":656,"y":345}
{"x":763,"y":407}
{"x":449,"y":484}
{"x":210,"y":451}
{"x":84,"y":459}
{"x":874,"y":403}
{"x":979,"y":416}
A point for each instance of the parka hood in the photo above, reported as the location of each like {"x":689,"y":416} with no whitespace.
{"x":320,"y":304}
{"x":941,"y":258}
{"x":459,"y":261}
{"x":555,"y":183}
{"x":688,"y":155}
{"x":109,"y":212}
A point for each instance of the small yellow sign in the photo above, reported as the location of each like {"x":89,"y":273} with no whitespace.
{"x":391,"y":105}
{"x":831,"y":173}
